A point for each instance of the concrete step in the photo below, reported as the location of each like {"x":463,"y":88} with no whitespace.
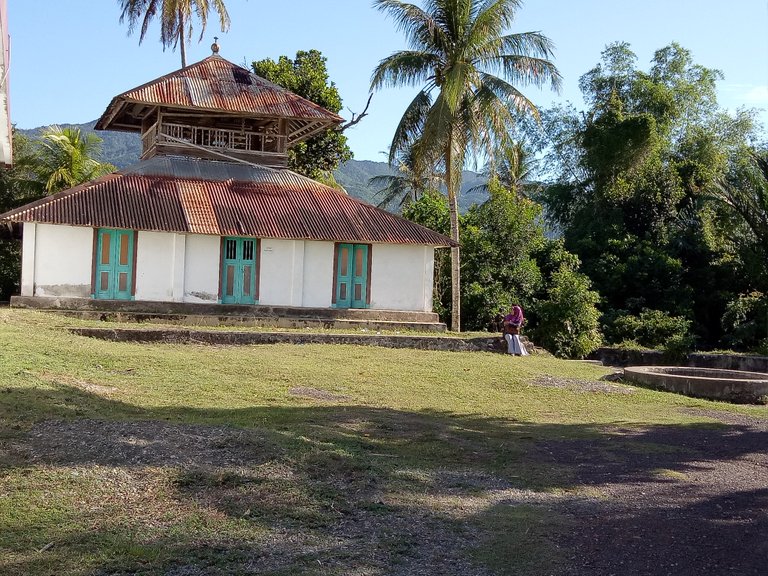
{"x":235,"y":315}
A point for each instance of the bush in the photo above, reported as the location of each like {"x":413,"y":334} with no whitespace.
{"x":652,"y":329}
{"x":568,"y":319}
{"x":745,"y":322}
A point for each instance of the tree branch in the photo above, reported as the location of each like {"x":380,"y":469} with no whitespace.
{"x":355,"y":119}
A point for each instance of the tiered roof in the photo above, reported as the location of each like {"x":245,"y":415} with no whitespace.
{"x":186,"y":195}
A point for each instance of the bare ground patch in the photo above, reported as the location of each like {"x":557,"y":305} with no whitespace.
{"x":578,"y":385}
{"x":682,"y":500}
{"x":315,"y":394}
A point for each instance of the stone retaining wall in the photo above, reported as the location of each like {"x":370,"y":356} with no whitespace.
{"x":621,"y":357}
{"x":490,"y":344}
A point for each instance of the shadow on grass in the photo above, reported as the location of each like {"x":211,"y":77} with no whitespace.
{"x":333,"y":488}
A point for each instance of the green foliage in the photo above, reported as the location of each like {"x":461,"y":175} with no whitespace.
{"x":507,"y":260}
{"x":632,"y":188}
{"x":60,"y":159}
{"x":431,"y":210}
{"x":462,"y":108}
{"x":565,"y":316}
{"x":18,"y":185}
{"x":568,"y":319}
{"x":307,"y":76}
{"x":410,"y":181}
{"x":745,"y":322}
{"x":651,"y":329}
{"x":498,"y":238}
{"x":67,"y":157}
{"x":741,"y":195}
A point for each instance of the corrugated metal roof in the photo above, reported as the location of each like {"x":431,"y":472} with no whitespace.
{"x":186,"y":195}
{"x":218,"y":85}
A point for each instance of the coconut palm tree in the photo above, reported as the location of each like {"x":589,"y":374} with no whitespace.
{"x":175,"y":19}
{"x":512,"y":168}
{"x":463,"y":108}
{"x":67,"y":157}
{"x":412,"y":178}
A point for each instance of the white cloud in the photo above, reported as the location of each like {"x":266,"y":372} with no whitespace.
{"x":756,"y":96}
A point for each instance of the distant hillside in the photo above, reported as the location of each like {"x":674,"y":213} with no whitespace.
{"x":123,"y":148}
{"x":119,"y":148}
{"x":355,"y":174}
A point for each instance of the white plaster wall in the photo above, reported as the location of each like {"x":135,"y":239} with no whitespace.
{"x":201,"y":268}
{"x":28,"y":240}
{"x":62,"y":260}
{"x":401,"y":277}
{"x":154,"y":266}
{"x":281,"y":272}
{"x":317,"y":288}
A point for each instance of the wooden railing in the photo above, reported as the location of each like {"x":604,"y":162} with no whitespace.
{"x":216,"y":138}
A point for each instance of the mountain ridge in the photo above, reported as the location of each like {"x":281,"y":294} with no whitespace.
{"x":123,"y":149}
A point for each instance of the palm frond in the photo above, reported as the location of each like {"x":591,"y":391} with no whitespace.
{"x":405,"y":68}
{"x":411,"y":125}
{"x":420,"y":27}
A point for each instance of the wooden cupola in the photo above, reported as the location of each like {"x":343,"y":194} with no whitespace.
{"x":215,"y":109}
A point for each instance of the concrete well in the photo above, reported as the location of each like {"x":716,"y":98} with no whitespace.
{"x":716,"y":384}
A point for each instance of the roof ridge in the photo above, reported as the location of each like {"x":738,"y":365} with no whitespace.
{"x":180,"y":73}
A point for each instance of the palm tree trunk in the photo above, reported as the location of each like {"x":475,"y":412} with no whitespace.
{"x":453,"y":203}
{"x":182,"y":47}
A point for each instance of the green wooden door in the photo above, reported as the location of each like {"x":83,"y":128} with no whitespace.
{"x":352,"y":276}
{"x":114,"y":264}
{"x":238,"y":282}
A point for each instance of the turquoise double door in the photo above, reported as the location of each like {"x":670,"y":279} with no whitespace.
{"x":238,"y":271}
{"x":114,"y":273}
{"x":352,"y":275}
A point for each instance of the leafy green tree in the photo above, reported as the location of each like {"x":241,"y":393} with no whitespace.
{"x":632,"y":178}
{"x":743,"y":191}
{"x":499,"y":238}
{"x":307,"y":76}
{"x":18,"y":186}
{"x":650,"y":328}
{"x":508,"y":260}
{"x":431,"y":210}
{"x":745,"y":322}
{"x":175,"y":19}
{"x":512,"y":167}
{"x":567,"y":319}
{"x":462,"y":107}
{"x":66,"y":157}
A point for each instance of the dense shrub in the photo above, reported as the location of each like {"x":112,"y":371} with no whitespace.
{"x":745,"y":323}
{"x":651,"y":329}
{"x":568,"y":320}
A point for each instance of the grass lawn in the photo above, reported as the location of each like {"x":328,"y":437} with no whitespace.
{"x":294,"y":459}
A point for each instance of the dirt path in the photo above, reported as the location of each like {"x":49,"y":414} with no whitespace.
{"x":673,"y":501}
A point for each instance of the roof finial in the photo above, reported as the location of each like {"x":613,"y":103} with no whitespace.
{"x":215,"y":45}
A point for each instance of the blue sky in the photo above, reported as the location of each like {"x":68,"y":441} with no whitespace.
{"x":70,"y":57}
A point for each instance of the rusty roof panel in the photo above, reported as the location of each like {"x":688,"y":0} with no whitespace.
{"x":206,"y":197}
{"x":216,"y":84}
